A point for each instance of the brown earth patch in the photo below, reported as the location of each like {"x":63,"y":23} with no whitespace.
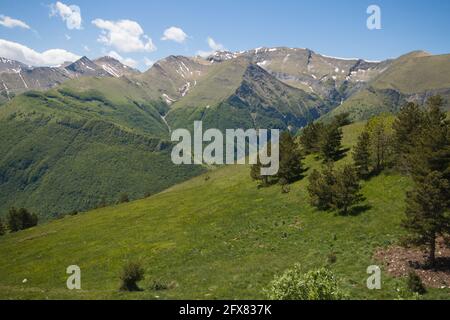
{"x":399,"y":261}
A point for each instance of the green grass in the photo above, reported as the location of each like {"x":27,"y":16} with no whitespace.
{"x":217,"y":238}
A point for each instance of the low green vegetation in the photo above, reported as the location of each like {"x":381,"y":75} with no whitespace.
{"x":21,"y":219}
{"x":215,"y":236}
{"x":132,"y":273}
{"x":68,"y":150}
{"x":293,"y":284}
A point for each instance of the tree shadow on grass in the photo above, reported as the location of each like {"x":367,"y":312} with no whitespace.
{"x":356,"y":210}
{"x":442,"y":264}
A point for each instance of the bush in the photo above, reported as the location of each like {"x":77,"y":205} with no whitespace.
{"x":415,"y":284}
{"x":318,"y":284}
{"x":132,"y":273}
{"x":21,"y":219}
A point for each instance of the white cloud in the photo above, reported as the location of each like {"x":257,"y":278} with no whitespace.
{"x":19,"y":52}
{"x":86,"y":48}
{"x":213,"y":45}
{"x":12,"y":23}
{"x":175,"y":34}
{"x":124,"y":35}
{"x":68,"y":37}
{"x":148,"y":62}
{"x":71,"y":14}
{"x":126,"y":61}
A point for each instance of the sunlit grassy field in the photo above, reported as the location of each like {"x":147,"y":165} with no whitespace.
{"x":216,"y":238}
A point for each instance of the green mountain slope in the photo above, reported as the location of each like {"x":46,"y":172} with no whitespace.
{"x":239,"y":94}
{"x":208,"y":238}
{"x":413,"y":77}
{"x":69,"y":149}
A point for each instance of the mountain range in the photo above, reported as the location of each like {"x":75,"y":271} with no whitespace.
{"x":78,"y":135}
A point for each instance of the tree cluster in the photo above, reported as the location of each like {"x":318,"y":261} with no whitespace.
{"x":422,"y":139}
{"x":374,"y":148}
{"x":291,"y":167}
{"x":21,"y":219}
{"x":324,"y":139}
{"x":335,"y":189}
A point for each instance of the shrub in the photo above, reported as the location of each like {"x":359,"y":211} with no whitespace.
{"x":21,"y":219}
{"x":318,"y":284}
{"x":132,"y":273}
{"x":415,"y":284}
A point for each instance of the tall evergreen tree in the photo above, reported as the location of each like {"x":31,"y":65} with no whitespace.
{"x":331,"y":142}
{"x":407,"y":130}
{"x":427,"y":215}
{"x":346,"y":191}
{"x":310,"y":137}
{"x":291,"y":168}
{"x":380,"y":131}
{"x":21,"y":219}
{"x":320,"y":188}
{"x":361,"y":155}
{"x":432,"y":148}
{"x":255,"y":174}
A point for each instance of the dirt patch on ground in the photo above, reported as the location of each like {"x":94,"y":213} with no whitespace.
{"x":399,"y":261}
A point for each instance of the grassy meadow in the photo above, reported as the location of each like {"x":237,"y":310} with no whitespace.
{"x":216,"y":236}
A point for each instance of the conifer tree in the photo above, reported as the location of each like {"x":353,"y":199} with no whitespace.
{"x":331,"y":142}
{"x":346,"y":190}
{"x":361,"y":155}
{"x":21,"y":219}
{"x":432,"y":149}
{"x":291,"y":168}
{"x":255,"y":173}
{"x":310,"y":137}
{"x":380,"y":131}
{"x":427,"y":215}
{"x":407,"y":129}
{"x":320,"y":188}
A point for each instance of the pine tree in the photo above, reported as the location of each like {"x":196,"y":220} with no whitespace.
{"x":346,"y":190}
{"x":427,"y":215}
{"x":310,"y":137}
{"x":331,"y":143}
{"x":255,"y":170}
{"x":13,"y":220}
{"x":291,"y":168}
{"x":320,"y":188}
{"x":380,"y":131}
{"x":255,"y":173}
{"x":21,"y":219}
{"x":432,"y":148}
{"x":407,"y":129}
{"x":361,"y":155}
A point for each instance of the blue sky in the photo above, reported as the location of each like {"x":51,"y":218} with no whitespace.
{"x":330,"y":27}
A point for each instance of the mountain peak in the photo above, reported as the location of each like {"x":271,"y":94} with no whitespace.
{"x":114,"y":67}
